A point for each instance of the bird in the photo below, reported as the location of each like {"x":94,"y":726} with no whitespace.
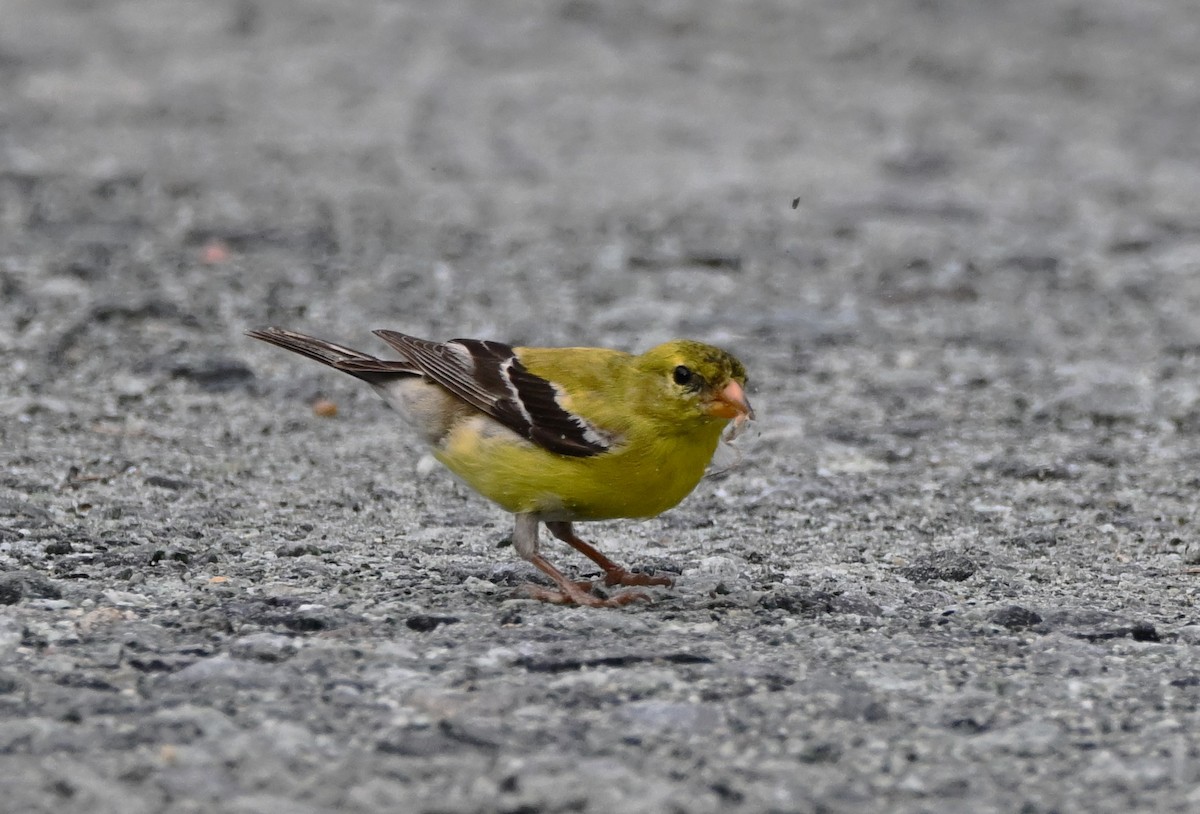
{"x":557,"y":436}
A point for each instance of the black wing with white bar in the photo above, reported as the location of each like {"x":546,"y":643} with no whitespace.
{"x":490,"y":377}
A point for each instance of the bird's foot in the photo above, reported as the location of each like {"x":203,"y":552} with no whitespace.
{"x":613,"y":573}
{"x":619,"y":576}
{"x":576,"y":595}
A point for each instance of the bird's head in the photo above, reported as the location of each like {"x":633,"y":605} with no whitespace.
{"x":697,"y":382}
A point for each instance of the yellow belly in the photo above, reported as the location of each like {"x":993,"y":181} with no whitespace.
{"x":642,"y":478}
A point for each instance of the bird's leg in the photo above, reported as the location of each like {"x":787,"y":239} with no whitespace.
{"x":613,"y":573}
{"x":525,"y":541}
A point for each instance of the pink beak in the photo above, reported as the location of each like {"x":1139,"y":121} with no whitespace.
{"x":731,"y":403}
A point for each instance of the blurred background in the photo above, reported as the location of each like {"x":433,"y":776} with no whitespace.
{"x":564,"y":171}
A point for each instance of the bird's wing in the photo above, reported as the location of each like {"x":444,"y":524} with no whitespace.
{"x":490,"y":377}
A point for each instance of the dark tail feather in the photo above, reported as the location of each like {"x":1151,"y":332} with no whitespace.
{"x":347,"y":360}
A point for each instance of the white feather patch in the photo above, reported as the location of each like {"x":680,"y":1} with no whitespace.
{"x":506,"y":374}
{"x":464,"y":355}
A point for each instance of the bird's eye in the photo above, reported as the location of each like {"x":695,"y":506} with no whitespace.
{"x":683,"y":375}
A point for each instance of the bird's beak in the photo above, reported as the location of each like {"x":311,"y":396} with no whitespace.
{"x":731,"y":403}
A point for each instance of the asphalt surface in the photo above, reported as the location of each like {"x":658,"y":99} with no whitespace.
{"x":956,"y":244}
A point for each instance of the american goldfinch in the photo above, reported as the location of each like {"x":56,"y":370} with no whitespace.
{"x":556,"y":435}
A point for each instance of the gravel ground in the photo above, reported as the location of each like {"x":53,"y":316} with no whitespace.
{"x":954,"y":570}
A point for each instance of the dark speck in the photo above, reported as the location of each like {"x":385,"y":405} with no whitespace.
{"x":423,"y":623}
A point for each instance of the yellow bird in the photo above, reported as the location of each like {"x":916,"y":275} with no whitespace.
{"x":556,"y":435}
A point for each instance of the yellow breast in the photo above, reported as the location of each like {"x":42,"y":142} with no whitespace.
{"x":643,"y":477}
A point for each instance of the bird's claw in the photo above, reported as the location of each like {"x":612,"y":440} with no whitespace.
{"x":579,"y":596}
{"x":620,"y":576}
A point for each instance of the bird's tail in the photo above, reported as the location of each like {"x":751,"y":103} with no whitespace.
{"x":347,"y":360}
